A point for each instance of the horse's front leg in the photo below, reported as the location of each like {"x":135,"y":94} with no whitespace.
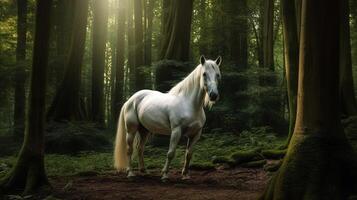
{"x":174,"y":140}
{"x":188,"y":156}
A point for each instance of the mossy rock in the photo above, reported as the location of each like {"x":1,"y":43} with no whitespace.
{"x":245,"y":156}
{"x":274,"y":153}
{"x":254,"y":164}
{"x":202,"y":166}
{"x":72,"y":138}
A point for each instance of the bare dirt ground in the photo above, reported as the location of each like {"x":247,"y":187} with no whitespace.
{"x":239,"y":183}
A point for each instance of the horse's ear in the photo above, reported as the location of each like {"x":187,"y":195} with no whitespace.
{"x":202,"y":60}
{"x":219,"y":60}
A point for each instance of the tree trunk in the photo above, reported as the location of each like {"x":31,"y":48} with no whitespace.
{"x":149,"y":12}
{"x":176,"y":42}
{"x":67,"y":104}
{"x":64,"y":14}
{"x":347,"y":95}
{"x":268,"y":35}
{"x":203,"y":43}
{"x":291,"y":52}
{"x":20,"y":75}
{"x":100,"y":30}
{"x":131,"y":45}
{"x":320,"y":162}
{"x":28,"y":174}
{"x":139,"y":45}
{"x":118,"y":98}
{"x":235,"y":15}
{"x":298,"y":5}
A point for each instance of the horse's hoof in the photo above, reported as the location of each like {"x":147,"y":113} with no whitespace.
{"x":186,"y":177}
{"x":131,"y":175}
{"x":165,"y":178}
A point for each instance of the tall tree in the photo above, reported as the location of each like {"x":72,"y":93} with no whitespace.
{"x":177,"y":28}
{"x":149,"y":16}
{"x":100,"y":30}
{"x":203,"y":43}
{"x":131,"y":45}
{"x":118,"y":95}
{"x":29,"y":174}
{"x":139,"y":44}
{"x":268,"y":35}
{"x":291,"y":54}
{"x":347,"y":94}
{"x":67,"y":104}
{"x":20,"y":76}
{"x":319,"y":163}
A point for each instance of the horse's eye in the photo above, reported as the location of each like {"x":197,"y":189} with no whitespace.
{"x":204,"y":74}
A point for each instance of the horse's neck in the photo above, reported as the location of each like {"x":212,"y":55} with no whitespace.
{"x":197,"y":97}
{"x":195,"y":94}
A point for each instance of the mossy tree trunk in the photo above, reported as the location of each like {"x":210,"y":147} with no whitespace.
{"x":118,"y":95}
{"x":67,"y":104}
{"x":100,"y":30}
{"x":28,"y":174}
{"x":20,"y":75}
{"x":176,"y":41}
{"x":268,"y":35}
{"x":347,"y":95}
{"x":291,"y":55}
{"x":320,"y":162}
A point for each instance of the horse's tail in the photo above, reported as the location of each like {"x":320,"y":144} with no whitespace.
{"x":120,"y":155}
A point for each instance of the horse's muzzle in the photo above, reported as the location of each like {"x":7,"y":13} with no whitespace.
{"x":213,"y":96}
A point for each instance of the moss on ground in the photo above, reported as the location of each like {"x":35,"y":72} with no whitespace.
{"x":210,"y":149}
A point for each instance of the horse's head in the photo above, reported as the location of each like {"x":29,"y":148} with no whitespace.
{"x":211,"y":76}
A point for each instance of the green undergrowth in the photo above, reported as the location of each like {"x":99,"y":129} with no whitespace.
{"x":210,"y":147}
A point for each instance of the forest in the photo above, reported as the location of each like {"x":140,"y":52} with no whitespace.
{"x":256,"y":99}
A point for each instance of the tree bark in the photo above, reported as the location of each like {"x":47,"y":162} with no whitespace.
{"x":291,"y":54}
{"x":236,"y":16}
{"x":100,"y":30}
{"x":320,"y":162}
{"x":131,"y":45}
{"x":118,"y":95}
{"x":176,"y":42}
{"x":347,"y":94}
{"x":20,"y":74}
{"x":268,"y":35}
{"x":139,"y":45}
{"x":67,"y":104}
{"x":28,"y":174}
{"x":149,"y":12}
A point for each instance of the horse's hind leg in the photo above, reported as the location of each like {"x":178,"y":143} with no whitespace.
{"x":174,"y":140}
{"x":143,"y":137}
{"x":129,"y":141}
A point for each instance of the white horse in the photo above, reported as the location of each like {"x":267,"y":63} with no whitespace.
{"x":179,"y":113}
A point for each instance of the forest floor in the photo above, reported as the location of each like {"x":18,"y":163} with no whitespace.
{"x":238,"y":183}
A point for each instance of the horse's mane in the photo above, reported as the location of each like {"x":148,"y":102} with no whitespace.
{"x":185,"y":87}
